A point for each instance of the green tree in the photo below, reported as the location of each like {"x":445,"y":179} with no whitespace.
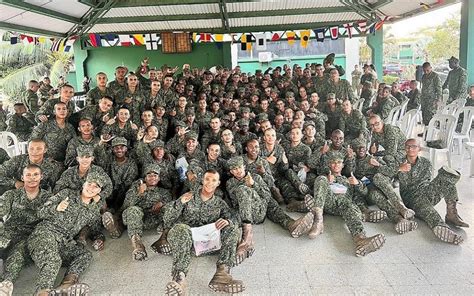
{"x":444,"y":40}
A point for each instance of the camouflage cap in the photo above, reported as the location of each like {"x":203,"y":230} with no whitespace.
{"x":289,"y":94}
{"x":180,"y":123}
{"x":84,"y":117}
{"x":308,"y":123}
{"x":190,"y":111}
{"x":245,"y":109}
{"x":335,"y":156}
{"x":151,"y":168}
{"x":85,"y":151}
{"x":119,"y":141}
{"x":191,"y":135}
{"x":160,"y":105}
{"x":243,"y":122}
{"x":156,"y":143}
{"x":241,"y":89}
{"x":358,"y":142}
{"x":189,"y":87}
{"x":95,"y":177}
{"x":329,"y":58}
{"x":235,"y":162}
{"x":262,"y":117}
{"x":454,"y":59}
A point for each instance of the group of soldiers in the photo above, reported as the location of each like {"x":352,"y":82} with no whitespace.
{"x":158,"y":149}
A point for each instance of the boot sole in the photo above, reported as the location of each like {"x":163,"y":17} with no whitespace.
{"x":161,"y":249}
{"x":309,"y":202}
{"x":377,"y":216}
{"x":241,"y":258}
{"x":6,"y":288}
{"x":406,"y":226}
{"x":139,"y":255}
{"x":109,"y":224}
{"x":174,"y":289}
{"x":74,"y":290}
{"x":408,"y":214}
{"x":447,"y":235}
{"x":375,"y":243}
{"x":303,"y":226}
{"x":232,"y":288}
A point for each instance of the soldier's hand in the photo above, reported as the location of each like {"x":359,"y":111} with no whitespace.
{"x":221,"y":223}
{"x":331,"y":177}
{"x":353,"y":180}
{"x":127,"y":100}
{"x":231,"y":148}
{"x":284,"y":158}
{"x":106,"y":138}
{"x":43,"y":118}
{"x":271,"y":158}
{"x":373,"y":149}
{"x":260,"y":169}
{"x":350,"y":152}
{"x":325,"y":148}
{"x":134,"y":126}
{"x":191,"y":176}
{"x":147,"y":139}
{"x":157,"y":207}
{"x":186,"y":197}
{"x":98,"y":245}
{"x":96,"y":198}
{"x":19,"y":184}
{"x":142,"y":188}
{"x":111,"y":121}
{"x":249,"y":180}
{"x":373,"y":162}
{"x":105,"y":118}
{"x":63,"y":205}
{"x":140,"y":134}
{"x":405,"y":167}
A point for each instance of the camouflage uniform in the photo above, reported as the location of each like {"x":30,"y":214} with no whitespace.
{"x":11,"y":171}
{"x":203,"y":119}
{"x":71,"y":150}
{"x":289,"y":185}
{"x":413,"y":99}
{"x":210,"y":137}
{"x":137,"y":213}
{"x":456,"y":83}
{"x":136,"y":107}
{"x":431,"y":93}
{"x":117,"y":89}
{"x":127,"y":132}
{"x":52,"y":241}
{"x":342,"y":89}
{"x":3,"y":156}
{"x":55,"y":137}
{"x":162,"y":127}
{"x":383,"y":108}
{"x":21,"y":126}
{"x":48,"y":109}
{"x":319,"y":163}
{"x":226,"y":153}
{"x":179,"y":218}
{"x":321,"y":85}
{"x":168,"y":97}
{"x":95,"y":115}
{"x":22,"y":219}
{"x":3,"y":120}
{"x":251,"y":166}
{"x":44,"y":92}
{"x":95,"y":94}
{"x":352,"y":125}
{"x":393,"y":141}
{"x":30,"y":101}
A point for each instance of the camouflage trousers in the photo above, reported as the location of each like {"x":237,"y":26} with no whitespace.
{"x":181,"y":241}
{"x":382,"y":186}
{"x":136,"y":220}
{"x":427,"y":111}
{"x":424,"y":200}
{"x":50,"y":249}
{"x":253,"y":209}
{"x":337,"y":205}
{"x":288,"y":186}
{"x":15,"y":256}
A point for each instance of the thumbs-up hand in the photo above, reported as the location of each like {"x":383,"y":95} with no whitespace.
{"x":373,"y":162}
{"x":62,"y":206}
{"x":249,"y":180}
{"x":405,"y":167}
{"x":373,"y":149}
{"x":353,"y":180}
{"x":325,"y":148}
{"x":331,"y":177}
{"x":271,"y":158}
{"x":142,"y":187}
{"x":350,"y":152}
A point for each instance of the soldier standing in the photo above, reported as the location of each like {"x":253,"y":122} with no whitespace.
{"x":431,"y":93}
{"x":456,"y":82}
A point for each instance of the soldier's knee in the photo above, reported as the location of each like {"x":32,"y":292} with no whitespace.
{"x":132,"y":211}
{"x":179,"y":230}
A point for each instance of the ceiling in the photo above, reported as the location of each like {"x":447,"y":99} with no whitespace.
{"x":76,"y":17}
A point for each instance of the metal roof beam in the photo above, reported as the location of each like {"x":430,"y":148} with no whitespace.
{"x":94,"y":14}
{"x":230,"y":15}
{"x":39,"y":10}
{"x":24,"y":29}
{"x":224,"y":14}
{"x":130,"y":3}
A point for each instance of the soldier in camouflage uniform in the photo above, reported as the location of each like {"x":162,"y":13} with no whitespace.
{"x":51,"y":243}
{"x":176,"y":145}
{"x":341,"y":87}
{"x":11,"y":170}
{"x":20,"y":124}
{"x":333,"y":195}
{"x":159,"y":156}
{"x":243,"y":135}
{"x":421,"y":194}
{"x":142,"y":208}
{"x":99,"y":114}
{"x":431,"y":93}
{"x":194,"y":209}
{"x":56,"y":132}
{"x":3,"y":156}
{"x":30,"y":98}
{"x":167,"y":94}
{"x":229,"y":147}
{"x":132,"y":98}
{"x":413,"y":96}
{"x":121,"y":126}
{"x":203,"y":116}
{"x":45,"y":90}
{"x":456,"y":82}
{"x":100,"y":91}
{"x":86,"y":138}
{"x":20,"y":207}
{"x":160,"y":121}
{"x":46,"y":112}
{"x":352,"y":122}
{"x":119,"y":84}
{"x":213,"y":135}
{"x":321,"y":82}
{"x":383,"y":105}
{"x":252,"y":200}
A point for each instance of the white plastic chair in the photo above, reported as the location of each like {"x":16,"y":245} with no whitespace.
{"x":358,"y":104}
{"x":468,"y":116}
{"x":449,"y":109}
{"x":441,"y":127}
{"x":459,"y":102}
{"x":393,"y":116}
{"x":404,"y":105}
{"x":407,"y":123}
{"x":9,"y":142}
{"x":468,"y":146}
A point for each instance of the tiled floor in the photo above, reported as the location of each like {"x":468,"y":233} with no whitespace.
{"x":415,"y":263}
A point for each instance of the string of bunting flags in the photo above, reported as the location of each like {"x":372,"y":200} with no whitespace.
{"x":62,"y":44}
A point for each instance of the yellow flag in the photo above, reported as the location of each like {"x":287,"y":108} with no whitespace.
{"x":42,"y":39}
{"x":194,"y":37}
{"x":218,"y":37}
{"x":290,"y":36}
{"x":304,"y":36}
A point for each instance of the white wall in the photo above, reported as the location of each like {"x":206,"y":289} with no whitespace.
{"x":352,"y":54}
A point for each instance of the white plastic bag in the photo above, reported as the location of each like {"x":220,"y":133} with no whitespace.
{"x":206,"y":239}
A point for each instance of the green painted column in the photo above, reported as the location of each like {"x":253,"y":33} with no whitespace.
{"x":466,"y":46}
{"x":80,"y":57}
{"x":375,"y":42}
{"x":227,"y":55}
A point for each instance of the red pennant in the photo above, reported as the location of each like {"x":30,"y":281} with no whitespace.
{"x":275,"y":37}
{"x":334,"y":32}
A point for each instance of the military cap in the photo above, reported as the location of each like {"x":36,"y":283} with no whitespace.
{"x":359,"y":142}
{"x":262,"y":117}
{"x":243,"y":122}
{"x":289,"y":94}
{"x":245,"y":109}
{"x":189,"y":87}
{"x":308,"y":123}
{"x":329,"y":58}
{"x":119,"y":141}
{"x":191,"y":135}
{"x":190,"y":111}
{"x":216,"y":86}
{"x":156,"y":143}
{"x":85,"y":118}
{"x":235,"y":162}
{"x":85,"y":150}
{"x":335,"y":156}
{"x":453,"y":59}
{"x":160,"y":105}
{"x":95,"y":177}
{"x":149,"y":168}
{"x":241,"y":89}
{"x":180,"y":123}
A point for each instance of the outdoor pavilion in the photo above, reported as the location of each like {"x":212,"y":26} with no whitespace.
{"x":415,"y":263}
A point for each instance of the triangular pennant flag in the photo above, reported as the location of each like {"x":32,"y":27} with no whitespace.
{"x":319,"y":34}
{"x":218,"y":37}
{"x":109,"y":40}
{"x":348,"y":27}
{"x":138,"y":39}
{"x":261,"y":41}
{"x":13,"y":40}
{"x":62,"y":44}
{"x":290,"y":36}
{"x":95,"y":40}
{"x":194,"y":37}
{"x":151,"y":41}
{"x":334,"y":32}
{"x":125,"y":40}
{"x":362,"y":26}
{"x":243,"y":42}
{"x":55,"y":45}
{"x":205,"y":37}
{"x":380,"y":24}
{"x":42,"y":40}
{"x":304,"y":36}
{"x":276,"y":37}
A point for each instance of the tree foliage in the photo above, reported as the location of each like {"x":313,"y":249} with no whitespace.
{"x":444,"y":40}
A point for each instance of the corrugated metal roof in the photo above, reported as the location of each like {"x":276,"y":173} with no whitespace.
{"x":280,"y":5}
{"x":401,"y":7}
{"x":72,"y":8}
{"x":294,"y":19}
{"x":156,"y":26}
{"x":162,"y":10}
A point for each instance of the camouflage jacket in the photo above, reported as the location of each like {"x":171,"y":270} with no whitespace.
{"x":95,"y":94}
{"x":149,"y":198}
{"x":55,"y":137}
